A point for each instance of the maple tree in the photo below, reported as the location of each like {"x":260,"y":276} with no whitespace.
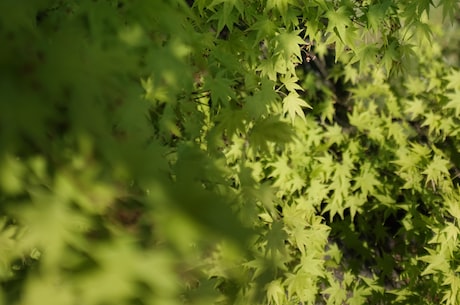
{"x":229,"y":151}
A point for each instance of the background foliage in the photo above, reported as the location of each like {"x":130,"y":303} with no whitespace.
{"x":229,"y":151}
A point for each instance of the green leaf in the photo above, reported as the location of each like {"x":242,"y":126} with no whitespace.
{"x":433,"y":121}
{"x":452,"y":294}
{"x":367,"y":56}
{"x":282,"y":171}
{"x":376,"y":14}
{"x":351,"y":74}
{"x":259,"y":103}
{"x":334,"y":134}
{"x":303,"y":286}
{"x":220,"y":88}
{"x":291,"y":83}
{"x":340,"y":185}
{"x":437,"y":262}
{"x":356,"y":203}
{"x":340,"y":23}
{"x":276,"y":238}
{"x":292,"y":106}
{"x":270,"y":129}
{"x":317,"y":192}
{"x":335,"y":253}
{"x":336,"y":294}
{"x":390,"y":56}
{"x":366,"y":181}
{"x":230,"y":122}
{"x":449,"y":7}
{"x":265,"y":28}
{"x":288,"y":45}
{"x":453,"y":79}
{"x":275,"y":293}
{"x":437,"y":170}
{"x":454,"y":102}
{"x":415,"y":108}
{"x":415,"y":85}
{"x":225,"y":15}
{"x":267,"y":68}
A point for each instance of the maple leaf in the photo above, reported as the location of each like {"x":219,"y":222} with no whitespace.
{"x":339,"y":23}
{"x":326,"y":165}
{"x":276,"y":238}
{"x":453,"y":206}
{"x":447,"y":126}
{"x":335,"y":253}
{"x":297,"y":182}
{"x":301,"y":239}
{"x":280,"y":4}
{"x":225,"y":16}
{"x":340,"y":185}
{"x":449,"y":7}
{"x":267,"y":92}
{"x":281,"y":167}
{"x":351,"y":74}
{"x":327,"y":109}
{"x":355,"y":204}
{"x":390,"y":56}
{"x":317,"y":192}
{"x":268,"y":69}
{"x":433,"y":121}
{"x":452,"y":295}
{"x":270,"y":129}
{"x":281,"y":171}
{"x":422,"y":29}
{"x":292,"y":105}
{"x":336,"y":204}
{"x":376,"y":14}
{"x":437,"y":261}
{"x":220,"y":88}
{"x":256,"y":106}
{"x":454,"y":102}
{"x":265,"y":28}
{"x":366,"y":181}
{"x":415,"y":85}
{"x":396,"y":131}
{"x":415,"y":108}
{"x":407,"y":53}
{"x":336,"y":293}
{"x":339,"y":20}
{"x":451,"y":233}
{"x":288,"y":44}
{"x":230,"y":122}
{"x":291,"y":84}
{"x":435,"y":170}
{"x":275,"y":293}
{"x":361,"y":119}
{"x":366,"y":56}
{"x":412,"y":179}
{"x":302,"y":285}
{"x":334,"y":134}
{"x":420,"y":150}
{"x":453,"y":79}
{"x":312,"y":262}
{"x":294,"y":217}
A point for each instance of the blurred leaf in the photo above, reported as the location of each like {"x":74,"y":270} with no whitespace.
{"x":270,"y":129}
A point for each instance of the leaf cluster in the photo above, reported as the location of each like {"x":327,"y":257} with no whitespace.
{"x":229,"y":152}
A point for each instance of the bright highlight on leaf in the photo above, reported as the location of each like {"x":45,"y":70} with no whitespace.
{"x":151,"y":152}
{"x":292,"y":106}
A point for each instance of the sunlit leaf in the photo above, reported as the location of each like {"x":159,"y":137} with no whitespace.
{"x":292,"y":106}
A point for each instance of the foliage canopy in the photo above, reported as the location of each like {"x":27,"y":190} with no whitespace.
{"x":230,"y":152}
